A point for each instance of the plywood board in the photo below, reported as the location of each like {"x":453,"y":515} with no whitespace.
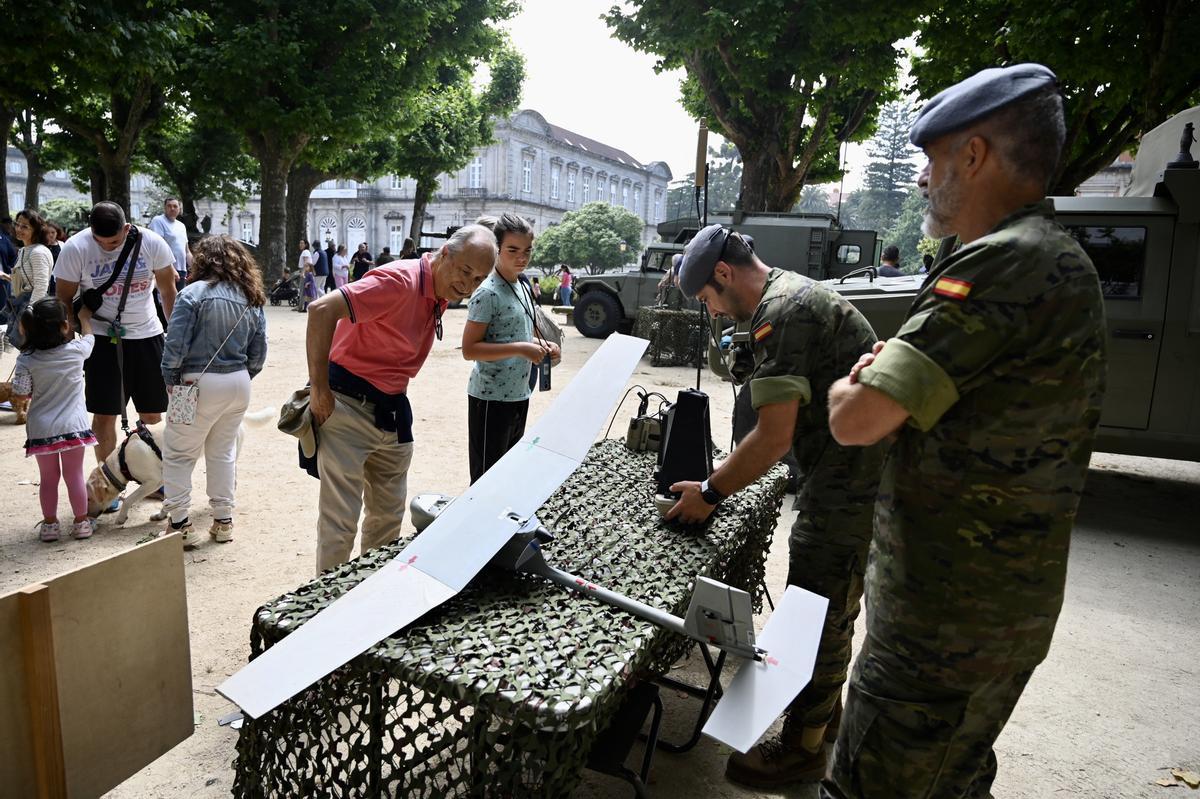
{"x":124,"y":663}
{"x":17,"y":774}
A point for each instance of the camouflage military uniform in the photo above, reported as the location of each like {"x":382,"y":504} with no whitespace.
{"x":804,"y":337}
{"x":1001,"y":366}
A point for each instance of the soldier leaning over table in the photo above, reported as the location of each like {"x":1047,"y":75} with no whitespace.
{"x":992,"y":390}
{"x":804,"y":336}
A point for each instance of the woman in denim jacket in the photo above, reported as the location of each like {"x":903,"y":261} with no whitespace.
{"x":217,"y":338}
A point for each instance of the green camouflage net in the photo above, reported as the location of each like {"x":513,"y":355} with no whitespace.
{"x":675,"y":336}
{"x":502,"y":690}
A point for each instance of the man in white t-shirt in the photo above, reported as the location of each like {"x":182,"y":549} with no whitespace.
{"x":86,"y":261}
{"x":174,"y":233}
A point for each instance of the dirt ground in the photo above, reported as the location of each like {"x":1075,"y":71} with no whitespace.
{"x":1111,"y":711}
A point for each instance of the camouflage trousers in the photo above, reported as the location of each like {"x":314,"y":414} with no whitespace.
{"x":827,"y":554}
{"x":903,"y":737}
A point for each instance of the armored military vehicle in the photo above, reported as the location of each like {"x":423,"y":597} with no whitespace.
{"x":1147,"y":251}
{"x":812,"y":244}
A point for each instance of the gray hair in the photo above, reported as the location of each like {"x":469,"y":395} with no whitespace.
{"x":1029,"y":135}
{"x":472,"y":236}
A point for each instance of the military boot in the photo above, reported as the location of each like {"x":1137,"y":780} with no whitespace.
{"x":777,"y":761}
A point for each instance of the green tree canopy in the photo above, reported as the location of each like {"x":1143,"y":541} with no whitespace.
{"x":452,"y":120}
{"x":1124,"y":66}
{"x":786,"y":82}
{"x":815,"y":200}
{"x":591,"y":238}
{"x":284,"y":72}
{"x":906,"y":233}
{"x":891,"y":170}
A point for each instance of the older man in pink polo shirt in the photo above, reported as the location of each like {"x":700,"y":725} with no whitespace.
{"x":365,"y":342}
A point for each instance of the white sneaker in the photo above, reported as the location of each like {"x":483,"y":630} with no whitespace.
{"x":83,"y":529}
{"x":48,"y":532}
{"x":221,"y":531}
{"x":190,"y":539}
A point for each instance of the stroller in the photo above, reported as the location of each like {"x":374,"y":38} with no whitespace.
{"x":284,"y":291}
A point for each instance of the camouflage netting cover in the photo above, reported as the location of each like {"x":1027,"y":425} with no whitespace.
{"x":675,"y":336}
{"x":502,"y":690}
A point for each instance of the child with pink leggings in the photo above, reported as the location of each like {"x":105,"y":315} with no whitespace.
{"x":50,"y":369}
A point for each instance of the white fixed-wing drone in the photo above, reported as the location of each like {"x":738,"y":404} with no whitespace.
{"x":493,"y":521}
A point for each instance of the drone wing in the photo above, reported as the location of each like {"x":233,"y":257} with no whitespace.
{"x":762,"y":690}
{"x":453,"y":549}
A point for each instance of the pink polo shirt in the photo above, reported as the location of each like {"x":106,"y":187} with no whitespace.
{"x":390,"y":329}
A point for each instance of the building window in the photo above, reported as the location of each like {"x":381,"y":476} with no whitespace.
{"x":135,"y":211}
{"x":571,"y":186}
{"x":247,"y":231}
{"x":16,"y":201}
{"x":658,"y":205}
{"x":587,"y":188}
{"x":396,"y":236}
{"x":526,"y":174}
{"x":427,"y":241}
{"x":395,"y":182}
{"x":356,"y":233}
{"x":624,"y":196}
{"x":637,"y":201}
{"x":555,"y":173}
{"x":475,"y":175}
{"x":600,"y":189}
{"x":327,"y":229}
{"x":612,"y":191}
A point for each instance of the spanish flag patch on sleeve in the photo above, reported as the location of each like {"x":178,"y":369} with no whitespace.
{"x":762,"y":331}
{"x":951,"y":288}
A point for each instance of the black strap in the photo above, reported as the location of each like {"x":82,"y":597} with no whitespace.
{"x":133,"y":239}
{"x":130,"y":252}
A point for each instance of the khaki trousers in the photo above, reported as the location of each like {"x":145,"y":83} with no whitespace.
{"x":360,"y":465}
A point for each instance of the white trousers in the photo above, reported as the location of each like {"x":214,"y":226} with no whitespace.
{"x":219,"y":410}
{"x":360,"y":465}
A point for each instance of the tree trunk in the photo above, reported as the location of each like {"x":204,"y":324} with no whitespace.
{"x":7,"y":115}
{"x":34,"y":175}
{"x":420,"y":201}
{"x":273,"y":249}
{"x":116,"y":180}
{"x":301,"y":181}
{"x":96,"y":178}
{"x":188,"y":215}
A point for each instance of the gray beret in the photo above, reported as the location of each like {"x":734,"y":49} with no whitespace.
{"x":973,"y":99}
{"x":700,"y":259}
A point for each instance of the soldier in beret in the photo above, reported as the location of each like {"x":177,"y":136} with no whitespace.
{"x":991,"y":391}
{"x":803,"y":337}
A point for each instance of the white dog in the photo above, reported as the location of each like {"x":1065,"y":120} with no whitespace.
{"x":138,"y":459}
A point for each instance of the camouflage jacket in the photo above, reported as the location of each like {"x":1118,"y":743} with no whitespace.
{"x":804,"y":337}
{"x":1001,"y":364}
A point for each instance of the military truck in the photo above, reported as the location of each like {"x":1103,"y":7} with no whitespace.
{"x":1147,"y":252}
{"x":812,"y":244}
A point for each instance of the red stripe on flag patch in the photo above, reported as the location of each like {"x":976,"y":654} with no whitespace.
{"x":952,"y":288}
{"x":762,"y":331}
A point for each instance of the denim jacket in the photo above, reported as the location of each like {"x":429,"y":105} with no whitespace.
{"x":204,"y":314}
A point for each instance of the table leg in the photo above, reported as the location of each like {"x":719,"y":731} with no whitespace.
{"x":708,"y":696}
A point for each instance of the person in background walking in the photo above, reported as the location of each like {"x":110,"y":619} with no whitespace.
{"x":320,"y":266}
{"x":330,"y":253}
{"x":341,"y":267}
{"x":303,"y":268}
{"x":564,"y":286}
{"x":50,"y":369}
{"x":217,"y":339}
{"x":360,"y":262}
{"x":385,"y":257}
{"x":409,"y":250}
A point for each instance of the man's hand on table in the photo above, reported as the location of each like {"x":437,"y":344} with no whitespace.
{"x":691,"y":507}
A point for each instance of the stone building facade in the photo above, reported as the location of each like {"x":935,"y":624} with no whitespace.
{"x":533,"y":168}
{"x":57,"y":184}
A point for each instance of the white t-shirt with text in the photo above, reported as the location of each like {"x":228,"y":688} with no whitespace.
{"x":82,"y":261}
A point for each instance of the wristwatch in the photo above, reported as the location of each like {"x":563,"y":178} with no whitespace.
{"x":710,"y":495}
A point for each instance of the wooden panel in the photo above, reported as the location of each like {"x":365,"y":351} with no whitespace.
{"x":124,"y":663}
{"x":37,"y":636}
{"x":17,"y":774}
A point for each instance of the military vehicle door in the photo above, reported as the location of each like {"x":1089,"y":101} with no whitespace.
{"x":852,"y":249}
{"x":1132,"y":255}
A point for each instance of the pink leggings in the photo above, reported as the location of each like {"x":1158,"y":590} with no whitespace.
{"x":71,"y":472}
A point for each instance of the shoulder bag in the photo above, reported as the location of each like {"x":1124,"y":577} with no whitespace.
{"x":181,"y":407}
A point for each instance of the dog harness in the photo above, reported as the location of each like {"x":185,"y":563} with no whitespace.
{"x":147,"y":438}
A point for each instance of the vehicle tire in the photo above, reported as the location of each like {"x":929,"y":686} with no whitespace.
{"x":597,"y":314}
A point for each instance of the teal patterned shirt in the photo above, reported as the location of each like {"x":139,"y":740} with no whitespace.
{"x":506,"y":310}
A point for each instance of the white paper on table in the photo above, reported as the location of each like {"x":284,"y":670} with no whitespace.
{"x":762,"y":690}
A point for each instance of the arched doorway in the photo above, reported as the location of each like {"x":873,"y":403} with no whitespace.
{"x":356,"y":233}
{"x":327,"y":228}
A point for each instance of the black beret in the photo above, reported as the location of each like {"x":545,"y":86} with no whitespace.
{"x":978,"y":96}
{"x":700,"y":259}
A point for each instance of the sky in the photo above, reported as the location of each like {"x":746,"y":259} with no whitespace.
{"x":580,"y":78}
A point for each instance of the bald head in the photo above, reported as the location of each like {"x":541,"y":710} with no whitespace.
{"x":463,"y":262}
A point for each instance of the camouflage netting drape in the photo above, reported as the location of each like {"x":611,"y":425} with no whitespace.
{"x":502,"y":690}
{"x":676,"y":337}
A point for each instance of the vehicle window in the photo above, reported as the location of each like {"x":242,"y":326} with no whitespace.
{"x":849,"y":254}
{"x":1119,"y":254}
